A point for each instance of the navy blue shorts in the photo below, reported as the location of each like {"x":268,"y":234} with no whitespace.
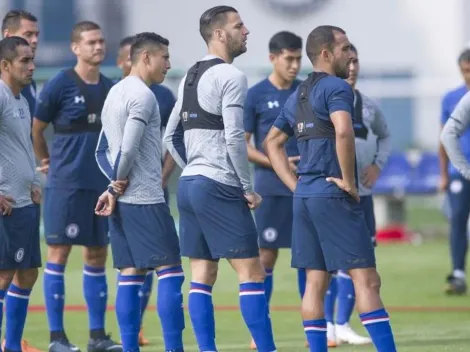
{"x":367,"y":205}
{"x":330,"y":234}
{"x":274,"y":222}
{"x":19,"y":239}
{"x":69,"y":218}
{"x":143,"y":236}
{"x":215,"y":221}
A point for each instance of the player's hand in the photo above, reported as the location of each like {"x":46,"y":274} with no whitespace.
{"x":444,"y":183}
{"x":44,"y":168}
{"x":6,"y":204}
{"x":36,"y":194}
{"x":105,"y":205}
{"x":370,"y":175}
{"x":293,"y":160}
{"x":253,"y":199}
{"x":351,"y":189}
{"x":120,"y":186}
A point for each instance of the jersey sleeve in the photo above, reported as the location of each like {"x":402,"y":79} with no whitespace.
{"x":286,"y":119}
{"x":445,"y":113}
{"x":48,"y":102}
{"x":340,"y":96}
{"x":249,"y":112}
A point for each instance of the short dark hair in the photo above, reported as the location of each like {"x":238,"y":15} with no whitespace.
{"x":126,"y":41}
{"x":354,"y":49}
{"x":215,"y":16}
{"x":83,"y":26}
{"x":464,"y":56}
{"x":12,"y":19}
{"x":320,"y":38}
{"x":142,"y":40}
{"x":284,"y":41}
{"x":8,"y":47}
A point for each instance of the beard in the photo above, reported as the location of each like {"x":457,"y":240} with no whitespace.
{"x":341,"y":71}
{"x":235,"y":48}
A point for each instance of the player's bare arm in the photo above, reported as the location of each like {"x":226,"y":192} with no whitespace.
{"x":345,"y":149}
{"x":40,"y":144}
{"x":169,"y":165}
{"x":276,"y":152}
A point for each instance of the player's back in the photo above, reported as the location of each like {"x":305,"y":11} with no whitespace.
{"x":220,"y":87}
{"x":131,"y":98}
{"x":17,"y":163}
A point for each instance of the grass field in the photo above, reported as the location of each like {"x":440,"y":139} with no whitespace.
{"x":423,"y":318}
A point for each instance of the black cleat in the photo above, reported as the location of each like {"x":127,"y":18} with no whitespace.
{"x":62,"y":345}
{"x":104,"y":344}
{"x":455,"y":286}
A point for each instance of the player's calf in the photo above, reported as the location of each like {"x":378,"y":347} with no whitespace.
{"x":268,"y":257}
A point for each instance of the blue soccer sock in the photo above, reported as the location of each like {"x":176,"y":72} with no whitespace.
{"x":268,"y":284}
{"x":95,"y":290}
{"x":201,"y":312}
{"x":128,"y":310}
{"x":330,"y":300}
{"x":301,"y":281}
{"x":54,"y":296}
{"x":145,"y":292}
{"x":16,"y":302}
{"x":2,"y":297}
{"x":346,"y":298}
{"x":255,"y":312}
{"x":170,"y":307}
{"x":378,"y":325}
{"x":315,"y":330}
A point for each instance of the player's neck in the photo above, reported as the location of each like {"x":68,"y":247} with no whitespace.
{"x":139,"y":74}
{"x":279,"y":82}
{"x":319,"y":67}
{"x":14,"y":86}
{"x":88,"y":73}
{"x":220,"y":52}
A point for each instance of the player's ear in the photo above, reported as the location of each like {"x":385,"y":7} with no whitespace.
{"x":272,"y":57}
{"x":75,"y":49}
{"x":219,"y":34}
{"x":4,"y":66}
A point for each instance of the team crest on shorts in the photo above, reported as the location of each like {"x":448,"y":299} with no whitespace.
{"x":270,"y":234}
{"x":456,"y":186}
{"x":19,"y":255}
{"x":72,"y":230}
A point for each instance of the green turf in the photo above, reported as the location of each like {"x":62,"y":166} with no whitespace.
{"x":412,"y":277}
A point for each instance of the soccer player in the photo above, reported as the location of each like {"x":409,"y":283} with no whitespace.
{"x":23,"y":24}
{"x":263,"y":103}
{"x":215,"y":193}
{"x":20,"y":192}
{"x":166,"y":102}
{"x":72,"y":102}
{"x":372,"y":151}
{"x":456,"y":185}
{"x":329,"y":231}
{"x":142,"y":230}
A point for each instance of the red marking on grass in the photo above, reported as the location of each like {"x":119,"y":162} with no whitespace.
{"x":410,"y":309}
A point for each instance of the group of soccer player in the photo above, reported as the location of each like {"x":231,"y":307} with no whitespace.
{"x":106,"y":171}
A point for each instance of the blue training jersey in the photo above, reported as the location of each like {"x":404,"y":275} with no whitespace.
{"x":29,"y":92}
{"x":318,"y":159}
{"x":166,"y":101}
{"x":72,"y":155}
{"x":448,"y":104}
{"x":262,"y":106}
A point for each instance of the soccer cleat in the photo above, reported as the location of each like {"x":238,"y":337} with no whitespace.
{"x":344,"y":333}
{"x":455,"y":286}
{"x":25,"y":347}
{"x":103,"y":344}
{"x":142,"y":340}
{"x":62,"y":345}
{"x":331,"y":335}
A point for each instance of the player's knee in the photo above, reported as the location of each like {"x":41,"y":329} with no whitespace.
{"x":95,"y":256}
{"x":26,"y":278}
{"x":58,"y":254}
{"x":249,"y":270}
{"x":366,"y":279}
{"x":268,"y":257}
{"x":204,"y":271}
{"x":132,"y":271}
{"x":6,"y":276}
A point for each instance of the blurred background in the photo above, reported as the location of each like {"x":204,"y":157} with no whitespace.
{"x":408,"y":51}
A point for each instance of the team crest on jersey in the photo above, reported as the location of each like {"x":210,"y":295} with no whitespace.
{"x":273,"y":104}
{"x":185,"y":116}
{"x":19,"y":255}
{"x":270,"y":234}
{"x":72,"y":230}
{"x":294,"y":6}
{"x":300,"y":127}
{"x":92,"y":118}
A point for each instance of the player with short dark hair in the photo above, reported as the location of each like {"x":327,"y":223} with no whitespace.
{"x":23,"y":24}
{"x":205,"y":136}
{"x":166,"y":102}
{"x":142,"y":231}
{"x":72,"y":102}
{"x":456,"y":185}
{"x":263,"y":103}
{"x":20,"y":192}
{"x":329,"y":231}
